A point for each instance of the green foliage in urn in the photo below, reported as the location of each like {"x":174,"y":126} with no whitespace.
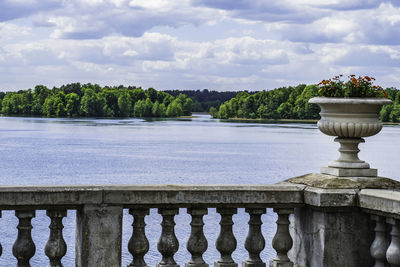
{"x":354,"y":87}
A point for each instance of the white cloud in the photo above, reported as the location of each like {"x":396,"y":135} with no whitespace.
{"x":14,"y":9}
{"x":191,"y":44}
{"x":9,"y":31}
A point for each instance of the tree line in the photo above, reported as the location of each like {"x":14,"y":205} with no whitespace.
{"x":204,"y":99}
{"x":289,"y":103}
{"x":92,"y":100}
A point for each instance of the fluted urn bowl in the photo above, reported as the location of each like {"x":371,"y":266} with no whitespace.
{"x":349,"y":119}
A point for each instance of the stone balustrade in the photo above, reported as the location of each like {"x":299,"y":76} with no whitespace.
{"x":384,"y":207}
{"x":100,"y":211}
{"x":316,"y":225}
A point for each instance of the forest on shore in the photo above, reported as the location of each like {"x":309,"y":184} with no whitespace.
{"x":92,"y":100}
{"x":289,"y":103}
{"x":204,"y":99}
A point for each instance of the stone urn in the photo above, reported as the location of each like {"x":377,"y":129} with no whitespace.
{"x":350,"y":119}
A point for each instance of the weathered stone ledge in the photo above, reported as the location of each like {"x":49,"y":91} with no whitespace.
{"x":333,"y":182}
{"x":383,"y":201}
{"x":183,"y":195}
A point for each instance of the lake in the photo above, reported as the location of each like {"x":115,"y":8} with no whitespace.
{"x":175,"y":151}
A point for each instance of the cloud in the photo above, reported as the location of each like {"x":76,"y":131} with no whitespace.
{"x":268,"y":10}
{"x":10,"y":31}
{"x":96,"y":19}
{"x":343,"y":5}
{"x":220,"y":44}
{"x":363,"y":56}
{"x":13,"y":9}
{"x":379,"y":26}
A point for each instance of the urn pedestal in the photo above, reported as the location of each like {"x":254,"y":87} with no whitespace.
{"x":349,"y":119}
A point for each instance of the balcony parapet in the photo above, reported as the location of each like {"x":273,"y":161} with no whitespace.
{"x":15,"y":197}
{"x":318,"y":224}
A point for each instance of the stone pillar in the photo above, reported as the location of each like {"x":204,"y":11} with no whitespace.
{"x":331,"y":229}
{"x":98,"y":236}
{"x":330,"y":237}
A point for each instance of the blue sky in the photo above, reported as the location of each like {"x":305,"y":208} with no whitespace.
{"x":196,"y":44}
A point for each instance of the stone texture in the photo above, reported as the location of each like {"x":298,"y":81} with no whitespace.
{"x":385,"y":201}
{"x":342,"y":172}
{"x":331,"y":198}
{"x":98,"y":236}
{"x":329,"y":181}
{"x":280,"y":264}
{"x":213,"y":195}
{"x":182,"y":195}
{"x":331,"y":238}
{"x":331,"y":230}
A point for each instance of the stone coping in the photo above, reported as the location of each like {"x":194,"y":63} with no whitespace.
{"x":385,"y":201}
{"x":333,"y":182}
{"x":312,"y":192}
{"x":157,"y":195}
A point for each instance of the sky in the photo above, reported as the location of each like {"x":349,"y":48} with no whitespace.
{"x":196,"y":44}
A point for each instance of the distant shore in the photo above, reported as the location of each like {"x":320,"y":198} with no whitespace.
{"x":259,"y":120}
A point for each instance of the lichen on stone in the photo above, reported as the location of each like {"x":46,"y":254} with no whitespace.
{"x":333,"y":182}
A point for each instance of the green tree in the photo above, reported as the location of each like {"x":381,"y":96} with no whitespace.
{"x":54,"y":106}
{"x":152,"y":94}
{"x":111,"y":97}
{"x":223,"y":112}
{"x":175,"y":108}
{"x":213,"y":112}
{"x":139,"y":109}
{"x":16,"y":103}
{"x":158,"y":110}
{"x":303,"y":109}
{"x":92,"y":104}
{"x":148,"y":108}
{"x":395,"y":114}
{"x":124,"y":104}
{"x":284,"y":110}
{"x":137,"y":94}
{"x":72,"y":104}
{"x":40,"y":94}
{"x":187,"y":106}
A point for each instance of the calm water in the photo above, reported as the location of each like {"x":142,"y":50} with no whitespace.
{"x":135,"y":151}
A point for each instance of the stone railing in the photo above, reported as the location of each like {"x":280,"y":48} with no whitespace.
{"x":99,"y":221}
{"x":384,"y":207}
{"x":320,"y":222}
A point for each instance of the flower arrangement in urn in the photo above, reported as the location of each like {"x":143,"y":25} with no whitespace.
{"x":354,"y":87}
{"x":350,"y":111}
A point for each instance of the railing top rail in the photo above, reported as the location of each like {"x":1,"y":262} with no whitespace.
{"x":381,"y":201}
{"x":158,"y":187}
{"x":12,"y":197}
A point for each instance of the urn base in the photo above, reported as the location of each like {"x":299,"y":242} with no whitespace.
{"x":341,"y":172}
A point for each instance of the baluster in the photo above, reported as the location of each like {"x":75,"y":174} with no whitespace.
{"x":56,"y":247}
{"x":282,"y":241}
{"x":168,"y":244}
{"x":24,"y":248}
{"x":138,"y":244}
{"x":226,"y":241}
{"x":393,"y":251}
{"x":378,"y":247}
{"x":255,"y":241}
{"x":197,"y":243}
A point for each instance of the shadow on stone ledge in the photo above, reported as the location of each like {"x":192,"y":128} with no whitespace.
{"x":333,"y":182}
